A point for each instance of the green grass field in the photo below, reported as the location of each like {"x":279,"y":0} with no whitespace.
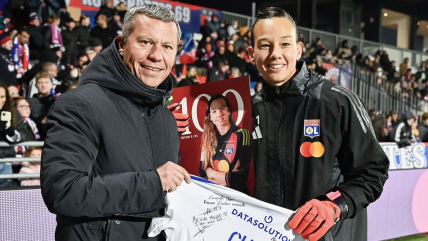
{"x":417,"y":237}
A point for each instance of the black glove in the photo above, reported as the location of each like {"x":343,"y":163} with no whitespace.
{"x":10,"y":131}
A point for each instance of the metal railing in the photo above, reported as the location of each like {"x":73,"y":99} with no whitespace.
{"x":376,"y":92}
{"x":332,"y":41}
{"x":20,"y":159}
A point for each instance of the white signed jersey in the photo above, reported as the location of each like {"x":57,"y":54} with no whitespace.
{"x":204,"y":211}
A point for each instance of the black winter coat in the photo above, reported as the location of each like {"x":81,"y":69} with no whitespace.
{"x":303,"y":132}
{"x":7,"y":69}
{"x":105,"y":140}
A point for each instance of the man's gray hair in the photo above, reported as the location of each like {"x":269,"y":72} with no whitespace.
{"x":155,"y":11}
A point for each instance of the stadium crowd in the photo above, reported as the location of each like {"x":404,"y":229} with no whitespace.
{"x":44,"y":51}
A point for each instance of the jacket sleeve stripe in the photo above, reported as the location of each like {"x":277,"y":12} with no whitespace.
{"x":358,"y":107}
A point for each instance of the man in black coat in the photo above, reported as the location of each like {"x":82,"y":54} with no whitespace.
{"x":7,"y":69}
{"x":103,"y":31}
{"x":111,"y":151}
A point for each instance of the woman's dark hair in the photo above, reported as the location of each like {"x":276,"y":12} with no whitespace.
{"x":8,"y":105}
{"x":272,"y":12}
{"x":209,"y":136}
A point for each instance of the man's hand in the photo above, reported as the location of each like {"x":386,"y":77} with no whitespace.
{"x":314,"y":219}
{"x":182,"y":119}
{"x":172,"y":175}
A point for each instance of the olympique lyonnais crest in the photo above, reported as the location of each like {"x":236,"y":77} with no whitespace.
{"x":312,"y":128}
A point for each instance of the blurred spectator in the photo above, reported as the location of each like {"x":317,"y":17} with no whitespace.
{"x":423,"y":128}
{"x":344,"y":48}
{"x":316,"y":48}
{"x":204,"y":29}
{"x":68,"y":84}
{"x":51,"y":34}
{"x":103,"y":32}
{"x":96,"y":44}
{"x":354,"y":50}
{"x":233,"y":28}
{"x":205,"y":56}
{"x":403,"y":66}
{"x":238,"y":42}
{"x":33,"y":167}
{"x":402,"y":134}
{"x":13,"y":91}
{"x":319,"y":69}
{"x":214,"y":24}
{"x":7,"y":68}
{"x":45,"y":8}
{"x":218,"y":73}
{"x":380,"y":131}
{"x":222,"y":31}
{"x":21,"y":52}
{"x":83,"y":32}
{"x":192,"y":78}
{"x":107,"y":10}
{"x":42,"y":101}
{"x":385,"y":63}
{"x":5,"y":18}
{"x":23,"y":107}
{"x":235,"y":73}
{"x":70,"y":36}
{"x":121,"y":9}
{"x":11,"y":130}
{"x":90,"y":52}
{"x":35,"y":31}
{"x":392,"y":71}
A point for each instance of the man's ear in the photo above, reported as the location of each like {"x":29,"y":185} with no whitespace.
{"x":251,"y":54}
{"x":120,"y":42}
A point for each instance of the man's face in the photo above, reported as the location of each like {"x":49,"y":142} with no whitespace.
{"x":98,"y":49}
{"x":24,"y":37}
{"x":44,"y":86}
{"x":53,"y":71}
{"x":150,"y":52}
{"x":275,"y":50}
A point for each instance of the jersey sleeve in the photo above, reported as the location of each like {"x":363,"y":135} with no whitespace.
{"x":238,"y":173}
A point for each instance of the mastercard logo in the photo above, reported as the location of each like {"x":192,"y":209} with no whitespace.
{"x":222,"y":165}
{"x":315,"y":149}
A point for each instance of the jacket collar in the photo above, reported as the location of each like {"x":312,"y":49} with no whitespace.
{"x":295,"y":86}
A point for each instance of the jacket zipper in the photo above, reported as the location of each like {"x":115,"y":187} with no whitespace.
{"x":281,"y":178}
{"x":107,"y":233}
{"x":281,"y":169}
{"x":150,"y":140}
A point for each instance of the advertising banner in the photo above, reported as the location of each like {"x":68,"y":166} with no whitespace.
{"x":190,"y":17}
{"x":410,"y":157}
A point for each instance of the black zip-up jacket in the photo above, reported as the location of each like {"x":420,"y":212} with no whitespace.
{"x":290,"y":170}
{"x":105,"y":140}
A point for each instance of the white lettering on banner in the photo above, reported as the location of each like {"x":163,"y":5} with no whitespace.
{"x":182,"y":13}
{"x":92,"y":3}
{"x":194,"y":115}
{"x":277,"y":235}
{"x":409,"y":157}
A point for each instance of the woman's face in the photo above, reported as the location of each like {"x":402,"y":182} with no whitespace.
{"x":219,"y":113}
{"x":2,"y":97}
{"x":23,"y":108}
